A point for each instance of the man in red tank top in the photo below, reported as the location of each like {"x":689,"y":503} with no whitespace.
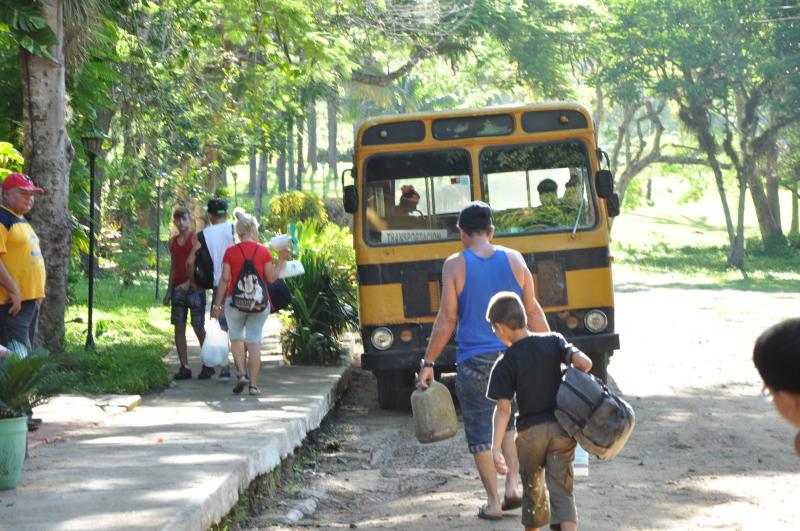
{"x":181,"y":294}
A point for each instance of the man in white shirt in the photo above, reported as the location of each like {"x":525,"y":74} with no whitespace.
{"x":218,"y":236}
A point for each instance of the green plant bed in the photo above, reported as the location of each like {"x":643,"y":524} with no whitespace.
{"x":132,"y":333}
{"x":324,"y":305}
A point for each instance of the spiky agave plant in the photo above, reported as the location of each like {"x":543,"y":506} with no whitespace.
{"x":27,"y":381}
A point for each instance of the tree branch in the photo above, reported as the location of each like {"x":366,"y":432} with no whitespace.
{"x":384,"y":80}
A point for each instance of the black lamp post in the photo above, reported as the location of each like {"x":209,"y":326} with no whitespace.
{"x":92,"y":143}
{"x":159,"y":184}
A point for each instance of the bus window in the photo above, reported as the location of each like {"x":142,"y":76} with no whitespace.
{"x":415,"y":197}
{"x":538,"y":187}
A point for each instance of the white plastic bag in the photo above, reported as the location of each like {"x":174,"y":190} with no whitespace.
{"x":215,"y":346}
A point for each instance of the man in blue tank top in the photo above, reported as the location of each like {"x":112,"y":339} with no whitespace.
{"x":469,"y":280}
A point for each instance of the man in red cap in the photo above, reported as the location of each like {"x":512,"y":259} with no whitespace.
{"x":22,"y":272}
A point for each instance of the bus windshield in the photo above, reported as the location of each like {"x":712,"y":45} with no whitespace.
{"x":541,"y":187}
{"x":415,"y":197}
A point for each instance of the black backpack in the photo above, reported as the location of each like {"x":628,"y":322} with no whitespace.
{"x":249,"y":291}
{"x":203,"y":265}
{"x":280,"y":296}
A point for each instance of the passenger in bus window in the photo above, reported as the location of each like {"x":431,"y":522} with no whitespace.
{"x":470,"y":279}
{"x":548,"y":213}
{"x":409,"y":201}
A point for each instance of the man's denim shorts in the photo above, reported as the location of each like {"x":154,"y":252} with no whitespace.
{"x":472,"y":378}
{"x":185,"y":301}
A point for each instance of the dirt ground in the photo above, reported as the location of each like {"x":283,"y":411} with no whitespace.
{"x":708,"y":451}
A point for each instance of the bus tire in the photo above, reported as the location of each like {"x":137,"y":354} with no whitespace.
{"x":394,"y":389}
{"x":600,"y":365}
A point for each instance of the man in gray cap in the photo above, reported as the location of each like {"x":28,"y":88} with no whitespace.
{"x":470,"y":279}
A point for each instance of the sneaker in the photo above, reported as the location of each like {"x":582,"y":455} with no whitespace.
{"x":206,"y":373}
{"x":224,"y":374}
{"x":184,"y":373}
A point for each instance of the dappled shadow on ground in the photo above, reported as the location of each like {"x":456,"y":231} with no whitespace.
{"x":713,"y":457}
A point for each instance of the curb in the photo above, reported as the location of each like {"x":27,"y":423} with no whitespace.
{"x":261,"y":460}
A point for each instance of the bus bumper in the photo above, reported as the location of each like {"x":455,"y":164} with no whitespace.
{"x":408,"y":356}
{"x":405,"y":359}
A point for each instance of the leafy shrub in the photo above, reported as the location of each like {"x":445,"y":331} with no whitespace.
{"x":294,"y":207}
{"x":324,"y":296}
{"x":135,"y":256}
{"x":28,"y":381}
{"x":10,"y":159}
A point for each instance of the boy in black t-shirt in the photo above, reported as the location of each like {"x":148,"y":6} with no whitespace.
{"x":531,"y":369}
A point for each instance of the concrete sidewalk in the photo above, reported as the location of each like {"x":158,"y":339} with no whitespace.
{"x":179,"y":460}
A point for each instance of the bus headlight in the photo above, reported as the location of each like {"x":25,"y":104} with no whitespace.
{"x":382,"y":338}
{"x":595,"y":321}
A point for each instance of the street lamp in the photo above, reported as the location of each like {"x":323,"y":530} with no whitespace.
{"x":92,"y":142}
{"x":159,"y":184}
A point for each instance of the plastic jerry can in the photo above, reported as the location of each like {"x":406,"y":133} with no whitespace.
{"x":434,"y":413}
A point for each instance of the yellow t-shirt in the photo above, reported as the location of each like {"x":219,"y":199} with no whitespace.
{"x":20,"y":253}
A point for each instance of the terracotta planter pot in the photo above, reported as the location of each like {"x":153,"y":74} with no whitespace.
{"x":13,"y":435}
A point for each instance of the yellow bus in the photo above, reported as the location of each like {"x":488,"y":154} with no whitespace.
{"x":539,"y":168}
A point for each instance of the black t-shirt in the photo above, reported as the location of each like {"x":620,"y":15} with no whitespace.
{"x":531,"y":369}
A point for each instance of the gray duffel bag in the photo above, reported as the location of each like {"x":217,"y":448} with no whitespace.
{"x":599,"y":420}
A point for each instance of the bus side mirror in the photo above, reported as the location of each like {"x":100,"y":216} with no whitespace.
{"x":350,"y":199}
{"x":604,"y":182}
{"x":612,"y":205}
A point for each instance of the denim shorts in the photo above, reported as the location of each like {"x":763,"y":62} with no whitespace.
{"x":472,"y":378}
{"x":245,"y":326}
{"x":19,"y":328}
{"x":185,"y":301}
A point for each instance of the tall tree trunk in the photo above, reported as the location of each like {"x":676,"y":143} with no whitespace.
{"x":290,"y":153}
{"x":794,"y":231}
{"x":333,"y":109}
{"x":311,"y":113}
{"x":280,"y":170}
{"x":48,"y":156}
{"x":223,"y":174}
{"x":696,"y":119}
{"x":104,"y":118}
{"x":771,"y":176}
{"x":253,"y":182}
{"x":301,"y":165}
{"x":259,"y":191}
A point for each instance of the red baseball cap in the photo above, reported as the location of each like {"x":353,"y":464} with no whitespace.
{"x":20,"y":180}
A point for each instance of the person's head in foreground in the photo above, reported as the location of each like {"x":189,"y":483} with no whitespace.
{"x":246,"y":225}
{"x":776,"y":355}
{"x":18,"y":193}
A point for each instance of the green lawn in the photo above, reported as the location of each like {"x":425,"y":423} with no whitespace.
{"x":132,"y":334}
{"x":674,"y":243}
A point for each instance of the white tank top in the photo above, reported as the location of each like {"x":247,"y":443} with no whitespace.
{"x":218,"y":238}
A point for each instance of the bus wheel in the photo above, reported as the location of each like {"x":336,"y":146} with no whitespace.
{"x":394,"y":388}
{"x":600,"y":365}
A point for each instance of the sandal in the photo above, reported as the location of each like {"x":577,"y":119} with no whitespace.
{"x":254,"y":391}
{"x":240,"y":385}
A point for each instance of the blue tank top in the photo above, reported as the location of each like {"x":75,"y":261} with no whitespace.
{"x":485,"y":277}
